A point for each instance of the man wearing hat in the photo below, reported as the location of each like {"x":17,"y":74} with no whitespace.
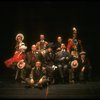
{"x":49,"y":61}
{"x":84,"y":67}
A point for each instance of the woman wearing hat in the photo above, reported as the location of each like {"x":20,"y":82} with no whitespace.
{"x":19,"y":42}
{"x":74,"y":42}
{"x":19,"y":53}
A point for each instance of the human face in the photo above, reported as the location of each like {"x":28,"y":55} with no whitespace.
{"x":82,"y":56}
{"x":73,"y":53}
{"x":63,"y":46}
{"x":42,"y":37}
{"x":59,"y":39}
{"x":33,"y":48}
{"x":38,"y":64}
{"x":19,"y":38}
{"x":49,"y":49}
{"x":74,"y":35}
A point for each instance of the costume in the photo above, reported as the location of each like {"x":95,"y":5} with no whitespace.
{"x":19,"y":53}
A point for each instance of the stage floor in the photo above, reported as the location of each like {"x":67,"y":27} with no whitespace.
{"x":17,"y":90}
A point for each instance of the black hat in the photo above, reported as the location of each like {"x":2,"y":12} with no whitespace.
{"x":50,"y":45}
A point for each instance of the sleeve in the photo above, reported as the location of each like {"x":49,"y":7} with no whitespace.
{"x":31,"y":74}
{"x":69,"y":45}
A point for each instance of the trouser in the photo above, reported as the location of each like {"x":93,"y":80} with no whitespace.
{"x":51,"y":73}
{"x":20,"y":74}
{"x":63,"y":73}
{"x":73,"y":75}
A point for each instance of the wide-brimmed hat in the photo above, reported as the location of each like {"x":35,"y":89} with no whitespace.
{"x":50,"y":45}
{"x":18,"y":64}
{"x":82,"y":53}
{"x":21,"y":35}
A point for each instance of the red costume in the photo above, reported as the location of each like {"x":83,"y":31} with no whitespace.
{"x":19,"y":53}
{"x":15,"y":59}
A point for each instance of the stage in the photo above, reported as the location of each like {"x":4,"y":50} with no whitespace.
{"x":17,"y":90}
{"x":52,"y":19}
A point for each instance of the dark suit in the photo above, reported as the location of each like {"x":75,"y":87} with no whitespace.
{"x":49,"y":61}
{"x":31,"y":58}
{"x":86,"y":74}
{"x":37,"y":74}
{"x":61,"y":60}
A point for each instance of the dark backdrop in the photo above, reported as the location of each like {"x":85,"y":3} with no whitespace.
{"x":51,"y":19}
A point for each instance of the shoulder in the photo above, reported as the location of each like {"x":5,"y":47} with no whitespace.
{"x":69,"y":40}
{"x":29,"y":52}
{"x":38,"y":43}
{"x":46,"y":42}
{"x":33,"y":68}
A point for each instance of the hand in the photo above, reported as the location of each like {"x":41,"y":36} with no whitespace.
{"x":82,"y":69}
{"x":79,"y":41}
{"x":15,"y":52}
{"x":31,"y":81}
{"x":43,"y":68}
{"x":21,"y":64}
{"x":62,"y":58}
{"x":58,"y":49}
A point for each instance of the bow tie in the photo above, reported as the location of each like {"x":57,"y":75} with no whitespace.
{"x":42,"y":41}
{"x":63,"y":50}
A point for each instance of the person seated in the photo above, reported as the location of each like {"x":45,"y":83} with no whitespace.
{"x":49,"y":62}
{"x":61,"y":61}
{"x":73,"y":67}
{"x":37,"y":76}
{"x":85,"y":69}
{"x":19,"y":53}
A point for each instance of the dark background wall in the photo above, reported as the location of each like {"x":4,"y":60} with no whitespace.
{"x":51,"y":19}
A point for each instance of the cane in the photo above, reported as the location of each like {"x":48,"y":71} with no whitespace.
{"x":16,"y":74}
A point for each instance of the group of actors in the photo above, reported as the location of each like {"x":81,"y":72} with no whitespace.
{"x":49,"y":62}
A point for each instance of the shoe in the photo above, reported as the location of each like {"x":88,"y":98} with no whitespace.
{"x":23,"y":82}
{"x":40,"y":86}
{"x":35,"y":85}
{"x":72,"y":81}
{"x":28,"y":86}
